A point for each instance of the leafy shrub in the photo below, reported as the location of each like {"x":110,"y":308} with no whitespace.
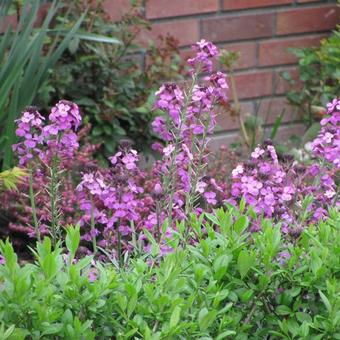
{"x":320,"y":76}
{"x":114,"y":83}
{"x":228,"y":285}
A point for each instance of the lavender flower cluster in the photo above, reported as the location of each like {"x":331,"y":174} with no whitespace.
{"x":116,"y":204}
{"x":327,"y":144}
{"x":56,"y":138}
{"x":117,"y":197}
{"x":276,"y":189}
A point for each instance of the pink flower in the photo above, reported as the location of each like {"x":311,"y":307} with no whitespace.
{"x":237,"y":171}
{"x":167,"y":151}
{"x":210,"y":197}
{"x":258,"y":152}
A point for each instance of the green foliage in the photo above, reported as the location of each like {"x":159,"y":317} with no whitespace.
{"x":319,"y":74}
{"x":10,"y":178}
{"x":24,"y":64}
{"x":113,"y":83}
{"x":230,"y":285}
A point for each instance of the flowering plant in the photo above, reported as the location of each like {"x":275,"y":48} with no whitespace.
{"x":123,"y":209}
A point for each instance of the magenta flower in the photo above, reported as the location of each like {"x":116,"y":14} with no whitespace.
{"x":327,"y":144}
{"x":210,"y":197}
{"x":205,"y":52}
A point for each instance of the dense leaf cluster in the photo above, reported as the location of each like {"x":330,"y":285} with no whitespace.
{"x":228,"y":285}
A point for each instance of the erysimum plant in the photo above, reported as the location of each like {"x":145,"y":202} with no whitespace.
{"x":124,"y":207}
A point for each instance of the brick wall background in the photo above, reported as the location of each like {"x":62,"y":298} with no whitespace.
{"x":261,"y":30}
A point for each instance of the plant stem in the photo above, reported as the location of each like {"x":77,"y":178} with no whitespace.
{"x":119,"y":248}
{"x":94,"y":241}
{"x":33,"y":207}
{"x":238,"y":108}
{"x":54,"y":200}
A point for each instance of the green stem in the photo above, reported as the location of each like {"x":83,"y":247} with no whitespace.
{"x":53,"y":200}
{"x":33,"y":207}
{"x":238,"y":108}
{"x":119,"y":248}
{"x":94,"y":241}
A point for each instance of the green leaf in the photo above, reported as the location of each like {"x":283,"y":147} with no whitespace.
{"x":301,"y":316}
{"x":97,"y":38}
{"x":72,"y":239}
{"x":276,"y":125}
{"x":175,"y":315}
{"x":206,"y":318}
{"x":325,"y":301}
{"x":132,"y":305}
{"x":225,"y":334}
{"x":221,"y":265}
{"x":241,"y":224}
{"x":244,"y":263}
{"x":283,"y":310}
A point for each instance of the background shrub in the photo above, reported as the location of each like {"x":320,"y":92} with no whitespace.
{"x":320,"y":77}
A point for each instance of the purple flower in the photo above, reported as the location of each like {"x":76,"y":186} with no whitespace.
{"x":327,"y":144}
{"x":65,"y":115}
{"x":210,"y":197}
{"x":283,"y":257}
{"x":205,"y":52}
{"x":167,"y":151}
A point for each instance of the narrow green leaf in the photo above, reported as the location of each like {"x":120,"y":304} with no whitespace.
{"x":325,"y":301}
{"x":244,"y":263}
{"x":175,"y":315}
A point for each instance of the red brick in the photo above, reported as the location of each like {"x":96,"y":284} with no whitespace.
{"x":185,"y":31}
{"x":307,"y":20}
{"x":281,"y":86}
{"x":286,"y":132}
{"x":304,"y":1}
{"x":275,"y":52}
{"x":245,"y":4}
{"x":231,"y":28}
{"x":225,"y":139}
{"x":283,"y":135}
{"x":116,"y":8}
{"x":247,"y":54}
{"x":172,"y":8}
{"x":12,"y":19}
{"x":269,"y":109}
{"x":227,"y":122}
{"x":256,"y":84}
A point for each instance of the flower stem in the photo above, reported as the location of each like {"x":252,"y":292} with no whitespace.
{"x":54,"y":200}
{"x":94,"y":241}
{"x":238,"y":108}
{"x":119,"y":248}
{"x":33,"y":207}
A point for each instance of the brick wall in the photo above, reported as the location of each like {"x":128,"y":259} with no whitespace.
{"x":261,"y":30}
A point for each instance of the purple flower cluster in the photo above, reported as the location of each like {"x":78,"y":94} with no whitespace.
{"x":205,"y":52}
{"x":29,"y":128}
{"x":54,"y":139}
{"x":276,"y":189}
{"x":114,"y":198}
{"x":190,"y":117}
{"x":327,"y":144}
